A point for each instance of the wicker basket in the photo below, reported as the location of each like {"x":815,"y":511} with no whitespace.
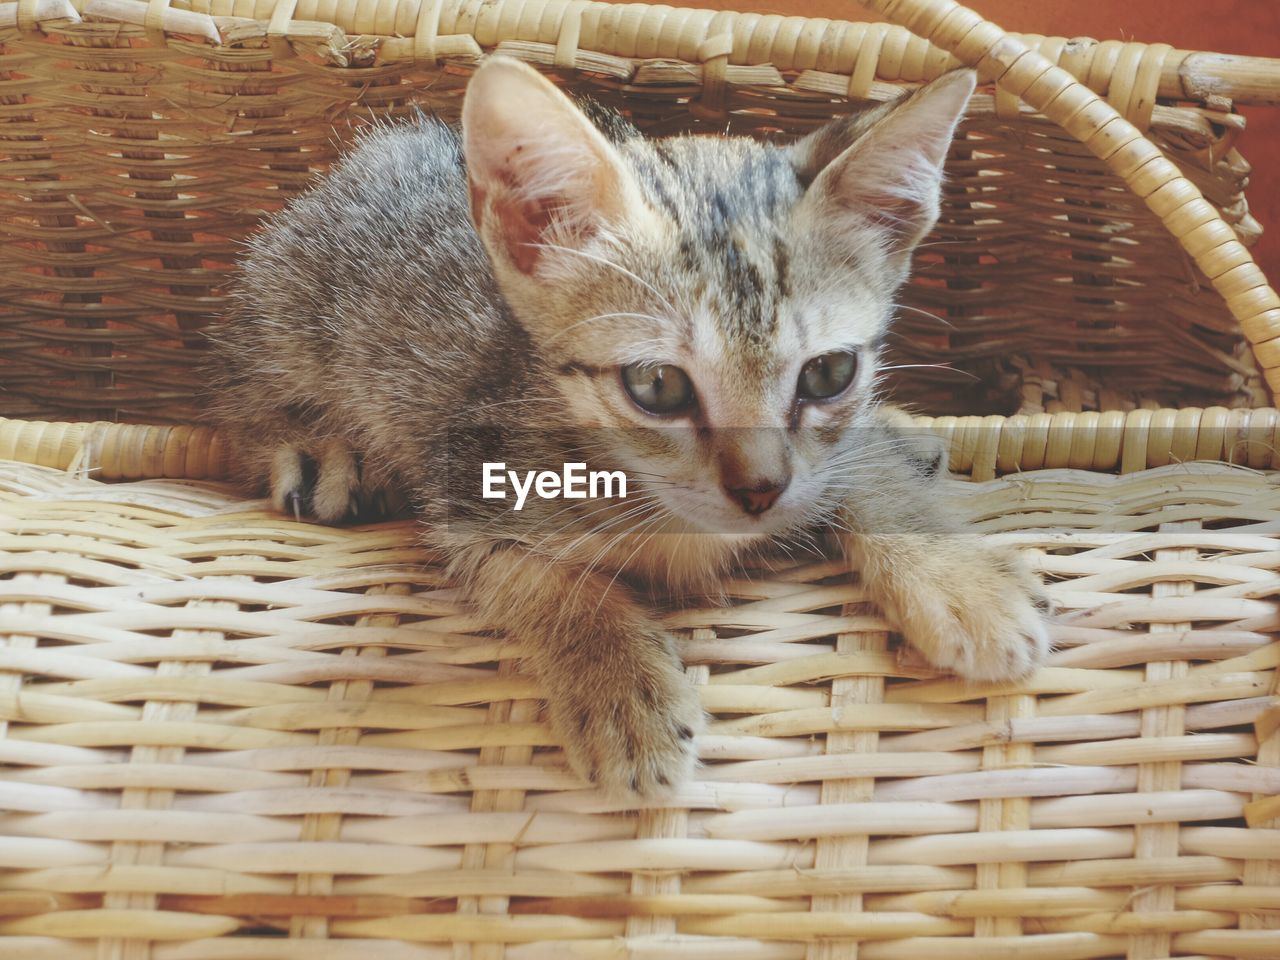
{"x":231,"y":736}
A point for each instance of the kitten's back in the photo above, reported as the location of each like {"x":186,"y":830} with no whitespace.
{"x":388,"y":226}
{"x":367,"y":310}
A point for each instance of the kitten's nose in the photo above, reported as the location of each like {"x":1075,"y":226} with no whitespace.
{"x":759,"y":497}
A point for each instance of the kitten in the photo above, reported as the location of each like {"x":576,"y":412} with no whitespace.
{"x":702,"y":313}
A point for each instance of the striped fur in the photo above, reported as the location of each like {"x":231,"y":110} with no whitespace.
{"x":418,"y":314}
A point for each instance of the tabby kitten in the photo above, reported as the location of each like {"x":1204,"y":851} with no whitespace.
{"x":702,"y":313}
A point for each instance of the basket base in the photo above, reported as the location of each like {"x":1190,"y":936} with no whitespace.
{"x":247,"y":734}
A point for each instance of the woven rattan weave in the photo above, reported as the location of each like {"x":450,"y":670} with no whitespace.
{"x":235,"y":727}
{"x":228,"y":735}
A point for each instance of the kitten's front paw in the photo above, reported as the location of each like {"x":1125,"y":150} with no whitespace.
{"x":977,"y":612}
{"x":629,"y":723}
{"x":328,"y":486}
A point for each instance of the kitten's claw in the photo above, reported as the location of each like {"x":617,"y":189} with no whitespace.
{"x":329,"y":486}
{"x":337,"y":483}
{"x":292,"y":476}
{"x":635,"y":725}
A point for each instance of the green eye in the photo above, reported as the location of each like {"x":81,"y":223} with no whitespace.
{"x":660,"y":389}
{"x":828,"y":375}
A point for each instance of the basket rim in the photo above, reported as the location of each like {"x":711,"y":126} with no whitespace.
{"x":431,"y":29}
{"x":982,"y":447}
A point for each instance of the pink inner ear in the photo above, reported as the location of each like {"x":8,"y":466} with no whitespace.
{"x":522,"y":224}
{"x":895,"y":213}
{"x":477,"y":203}
{"x":892,"y":189}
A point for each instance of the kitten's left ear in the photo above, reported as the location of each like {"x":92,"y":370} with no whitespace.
{"x":540,"y":172}
{"x":882,"y":169}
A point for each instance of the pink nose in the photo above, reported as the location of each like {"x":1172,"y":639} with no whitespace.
{"x":758,"y":498}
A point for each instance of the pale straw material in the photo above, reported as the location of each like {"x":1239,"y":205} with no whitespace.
{"x":982,"y":447}
{"x":227,"y":735}
{"x":232,"y":735}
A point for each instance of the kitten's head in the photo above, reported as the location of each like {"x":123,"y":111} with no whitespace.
{"x":718,"y":302}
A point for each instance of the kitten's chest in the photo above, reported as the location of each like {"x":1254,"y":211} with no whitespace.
{"x":693,"y":562}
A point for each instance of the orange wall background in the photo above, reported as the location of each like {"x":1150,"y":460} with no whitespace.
{"x":1250,"y":27}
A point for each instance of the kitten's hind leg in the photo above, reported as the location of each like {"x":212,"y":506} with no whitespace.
{"x":326,"y":480}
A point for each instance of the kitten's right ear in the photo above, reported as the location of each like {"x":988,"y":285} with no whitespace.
{"x":881,"y":169}
{"x":540,"y":172}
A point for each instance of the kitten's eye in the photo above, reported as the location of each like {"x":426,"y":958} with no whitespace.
{"x":828,"y":375}
{"x":660,"y":389}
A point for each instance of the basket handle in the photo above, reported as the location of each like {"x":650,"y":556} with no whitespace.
{"x":1195,"y":223}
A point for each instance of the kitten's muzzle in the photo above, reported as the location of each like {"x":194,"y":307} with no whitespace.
{"x":755,"y":467}
{"x":759,"y":497}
